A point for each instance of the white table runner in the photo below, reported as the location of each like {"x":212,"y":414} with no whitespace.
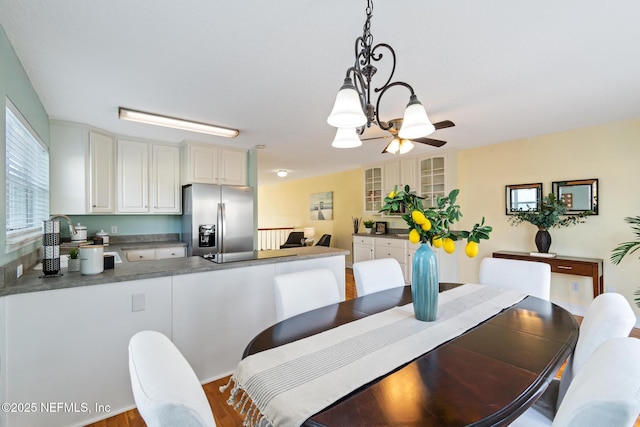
{"x":286,"y":385}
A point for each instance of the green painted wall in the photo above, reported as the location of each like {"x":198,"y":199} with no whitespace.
{"x":15,"y":85}
{"x":127,"y":224}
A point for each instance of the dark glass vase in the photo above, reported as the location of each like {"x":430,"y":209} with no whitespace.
{"x":543,"y":241}
{"x":424,"y":284}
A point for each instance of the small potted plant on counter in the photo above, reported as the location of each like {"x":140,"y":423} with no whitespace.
{"x":368,"y":225}
{"x":74,"y":260}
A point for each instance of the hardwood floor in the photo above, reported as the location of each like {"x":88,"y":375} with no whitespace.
{"x":224,"y":414}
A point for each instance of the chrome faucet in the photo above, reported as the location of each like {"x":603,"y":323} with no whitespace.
{"x":72,"y":229}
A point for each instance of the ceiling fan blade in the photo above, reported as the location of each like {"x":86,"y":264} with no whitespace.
{"x":429,"y":141}
{"x":444,"y":124}
{"x":376,"y":137}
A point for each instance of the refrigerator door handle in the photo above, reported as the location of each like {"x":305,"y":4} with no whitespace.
{"x":221,"y":228}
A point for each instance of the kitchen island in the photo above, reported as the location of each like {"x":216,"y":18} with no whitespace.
{"x":65,"y":339}
{"x":32,"y":280}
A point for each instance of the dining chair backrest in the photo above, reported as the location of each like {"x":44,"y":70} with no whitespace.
{"x":609,"y":316}
{"x":603,"y":393}
{"x":325,"y":240}
{"x":165,"y":388}
{"x":303,"y":291}
{"x":377,"y":275}
{"x":528,"y":277}
{"x":294,"y":240}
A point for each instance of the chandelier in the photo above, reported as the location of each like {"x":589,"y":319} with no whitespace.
{"x":353,"y":110}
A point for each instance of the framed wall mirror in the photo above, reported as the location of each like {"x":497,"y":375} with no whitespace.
{"x":580,"y":195}
{"x":523,"y":197}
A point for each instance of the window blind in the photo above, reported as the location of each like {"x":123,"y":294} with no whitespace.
{"x":26,"y":179}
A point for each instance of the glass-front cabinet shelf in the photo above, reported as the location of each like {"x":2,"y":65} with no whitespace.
{"x":432,"y":179}
{"x":373,"y":189}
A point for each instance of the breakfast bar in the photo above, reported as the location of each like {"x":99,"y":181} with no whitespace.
{"x":65,"y":338}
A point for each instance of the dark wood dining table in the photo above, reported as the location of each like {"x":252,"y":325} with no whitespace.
{"x":487,"y":376}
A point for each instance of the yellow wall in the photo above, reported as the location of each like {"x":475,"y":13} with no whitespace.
{"x":610,"y":153}
{"x":287,"y":205}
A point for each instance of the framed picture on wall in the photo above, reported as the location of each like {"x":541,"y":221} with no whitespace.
{"x":321,"y":206}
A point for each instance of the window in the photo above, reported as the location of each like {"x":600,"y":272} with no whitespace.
{"x":27,"y":181}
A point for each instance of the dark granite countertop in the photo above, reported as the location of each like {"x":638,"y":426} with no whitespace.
{"x":32,"y":281}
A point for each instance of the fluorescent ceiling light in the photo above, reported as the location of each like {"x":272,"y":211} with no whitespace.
{"x":172,"y":122}
{"x":282,"y":173}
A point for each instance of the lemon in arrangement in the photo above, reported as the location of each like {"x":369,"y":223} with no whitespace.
{"x":449,"y":245}
{"x":471,"y":249}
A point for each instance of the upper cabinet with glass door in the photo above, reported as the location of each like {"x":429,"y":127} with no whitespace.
{"x":433,"y":182}
{"x":373,"y":196}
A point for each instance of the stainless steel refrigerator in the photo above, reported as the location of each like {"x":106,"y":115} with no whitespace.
{"x":217,"y":219}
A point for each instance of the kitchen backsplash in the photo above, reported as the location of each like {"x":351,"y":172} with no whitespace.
{"x":126,"y":224}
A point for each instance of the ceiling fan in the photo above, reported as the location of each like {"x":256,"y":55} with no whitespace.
{"x":401,"y":146}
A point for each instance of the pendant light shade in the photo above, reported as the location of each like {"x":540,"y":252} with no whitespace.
{"x":415,"y":123}
{"x":346,"y":138}
{"x":393,"y":147}
{"x":405,"y":146}
{"x":398,"y":146}
{"x":347,"y":111}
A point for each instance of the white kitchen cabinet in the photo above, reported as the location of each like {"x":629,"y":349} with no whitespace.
{"x":140,"y":255}
{"x":91,"y":173}
{"x":172,"y":252}
{"x":165,"y":179}
{"x":433,"y":180}
{"x":210,"y":164}
{"x":391,"y":177}
{"x":377,"y":247}
{"x":148,"y":178}
{"x":101,"y":173}
{"x":373,"y":196}
{"x":135,"y":255}
{"x":392,"y":248}
{"x":133,"y":177}
{"x":362,"y":249}
{"x":68,"y":183}
{"x":233,"y":167}
{"x":399,"y":173}
{"x":408,"y":173}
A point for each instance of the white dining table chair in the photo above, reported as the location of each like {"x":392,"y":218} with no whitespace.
{"x":528,"y":277}
{"x":608,"y":316}
{"x":377,"y":275}
{"x":303,"y":291}
{"x":603,"y":393}
{"x":165,"y":388}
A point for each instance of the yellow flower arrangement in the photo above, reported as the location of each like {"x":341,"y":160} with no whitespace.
{"x":433,"y":225}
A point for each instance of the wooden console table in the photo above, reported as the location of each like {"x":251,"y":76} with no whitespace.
{"x":589,"y":267}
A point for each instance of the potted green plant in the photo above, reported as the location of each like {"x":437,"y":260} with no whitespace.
{"x":551,"y":214}
{"x":74,"y":260}
{"x":628,"y":248}
{"x":432,"y":226}
{"x":368,"y":225}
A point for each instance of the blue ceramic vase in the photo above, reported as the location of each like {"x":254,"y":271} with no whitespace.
{"x":424,"y":284}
